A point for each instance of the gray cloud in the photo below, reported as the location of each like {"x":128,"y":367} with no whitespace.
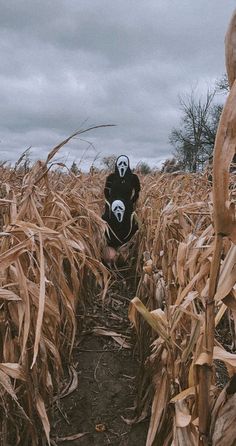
{"x":68,"y":64}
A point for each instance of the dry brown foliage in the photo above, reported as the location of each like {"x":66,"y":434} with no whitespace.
{"x":176,"y":241}
{"x":51,"y":245}
{"x":51,"y":242}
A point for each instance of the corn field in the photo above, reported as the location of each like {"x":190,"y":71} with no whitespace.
{"x":51,"y":249}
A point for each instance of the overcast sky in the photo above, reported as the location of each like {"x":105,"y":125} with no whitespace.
{"x":70,"y":64}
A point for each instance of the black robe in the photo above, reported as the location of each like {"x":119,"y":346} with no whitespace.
{"x":124,"y":188}
{"x":119,"y":233}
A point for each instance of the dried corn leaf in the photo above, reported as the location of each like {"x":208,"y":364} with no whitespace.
{"x":8,"y":295}
{"x":71,"y":437}
{"x":224,"y":433}
{"x":159,"y":406}
{"x":41,"y":302}
{"x":73,"y":384}
{"x":184,"y":394}
{"x":223,"y":355}
{"x":220,"y":314}
{"x":26,"y":320}
{"x":181,"y":260}
{"x":184,"y":432}
{"x":182,"y":415}
{"x":194,"y":336}
{"x":154,"y":320}
{"x":230,"y":300}
{"x":8,"y":257}
{"x":5,"y":382}
{"x":14,"y":370}
{"x":227,"y":278}
{"x":120,"y":339}
{"x":43,"y":416}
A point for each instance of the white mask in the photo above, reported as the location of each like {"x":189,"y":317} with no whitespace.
{"x":122,"y":164}
{"x":118,"y":209}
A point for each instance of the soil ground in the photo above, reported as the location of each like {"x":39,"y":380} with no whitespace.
{"x":106,"y":369}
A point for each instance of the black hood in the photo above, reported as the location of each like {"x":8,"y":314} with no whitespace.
{"x":128,"y":171}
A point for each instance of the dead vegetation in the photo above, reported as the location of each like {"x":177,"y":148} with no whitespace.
{"x":177,"y":244}
{"x":50,"y":248}
{"x":51,"y":245}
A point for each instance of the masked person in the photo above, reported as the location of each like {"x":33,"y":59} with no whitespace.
{"x":121,"y":223}
{"x":122,"y":184}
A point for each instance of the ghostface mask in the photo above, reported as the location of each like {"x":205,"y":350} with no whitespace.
{"x":122,"y":164}
{"x":118,"y":209}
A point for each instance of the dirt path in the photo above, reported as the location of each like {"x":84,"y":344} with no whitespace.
{"x":106,"y":370}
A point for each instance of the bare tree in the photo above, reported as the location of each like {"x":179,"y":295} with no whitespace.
{"x":194,"y":140}
{"x":171,"y":165}
{"x":143,"y":168}
{"x":108,"y":162}
{"x":222,"y":84}
{"x":74,"y":168}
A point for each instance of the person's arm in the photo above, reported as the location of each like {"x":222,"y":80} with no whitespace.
{"x":136,"y":187}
